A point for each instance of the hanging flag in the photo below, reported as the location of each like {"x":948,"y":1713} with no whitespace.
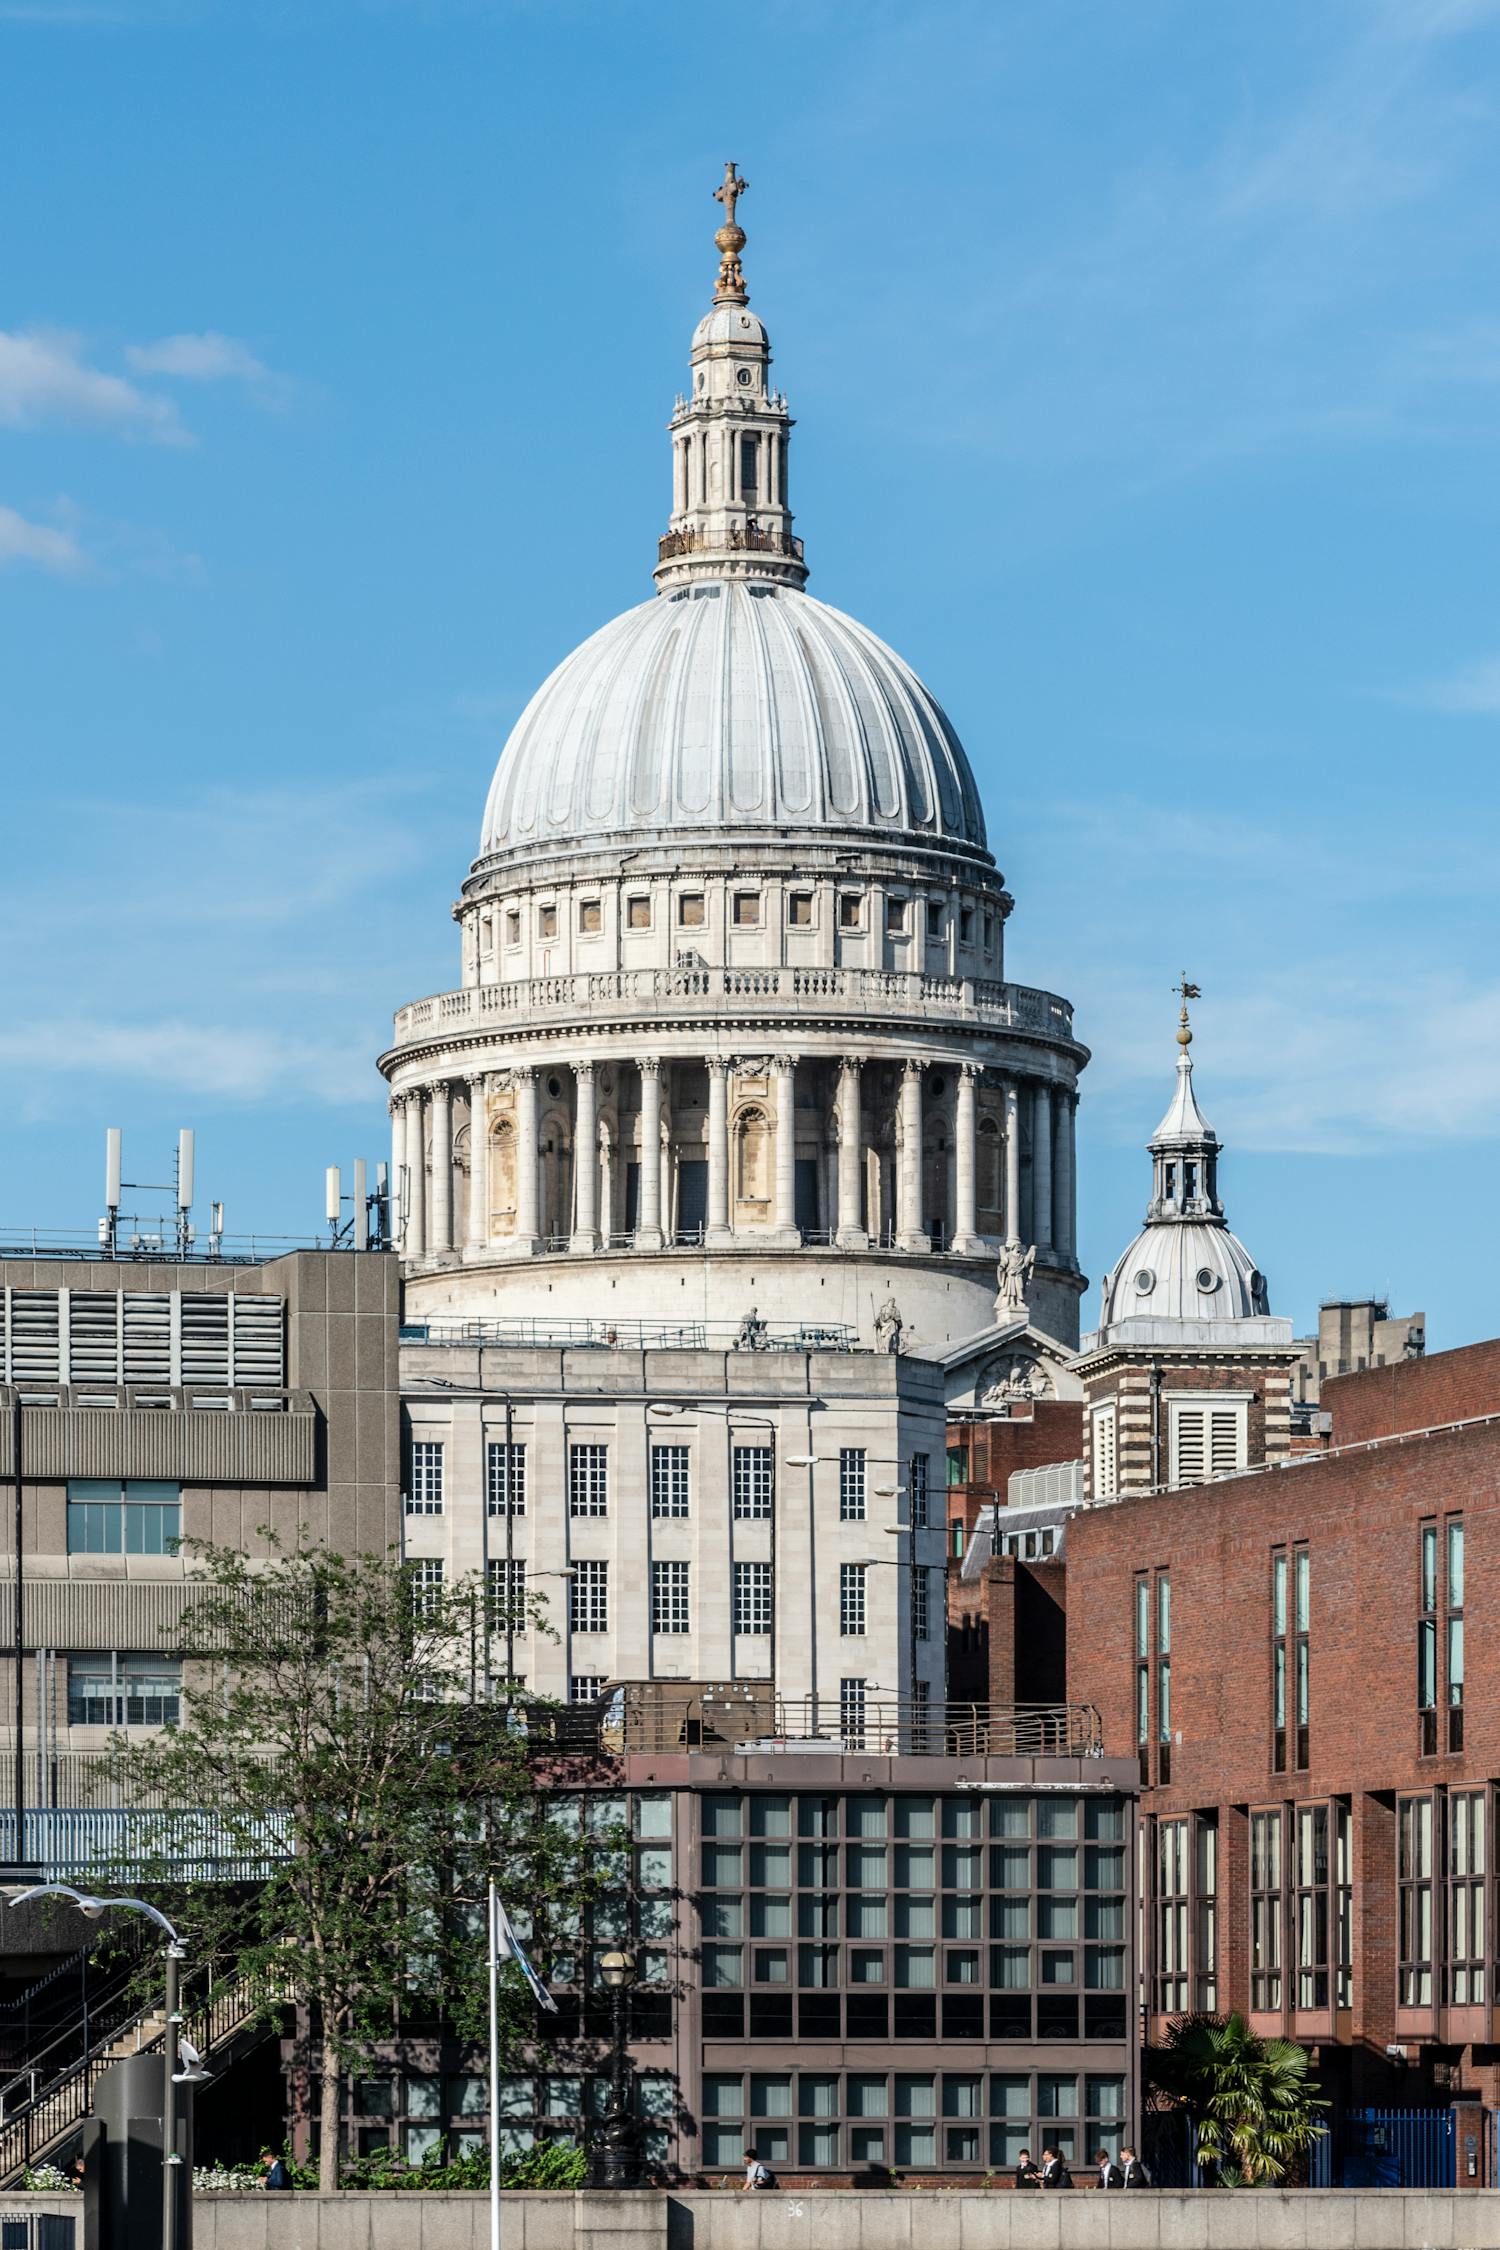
{"x":508,"y":1947}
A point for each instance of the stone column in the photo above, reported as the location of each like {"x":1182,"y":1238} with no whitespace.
{"x":442,"y":1166}
{"x":648,"y":1208}
{"x":851,"y":1234}
{"x":1064,"y":1192}
{"x":416,"y":1158}
{"x":909,"y":1234}
{"x":528,"y":1180}
{"x":718,"y":1150}
{"x":398,"y":1166}
{"x":479,"y":1167}
{"x":585,"y":1234}
{"x":1041,"y":1172}
{"x":966,"y":1240}
{"x":1012,"y":1161}
{"x":784,"y":1220}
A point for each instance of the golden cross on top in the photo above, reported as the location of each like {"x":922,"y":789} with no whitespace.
{"x":730,"y":191}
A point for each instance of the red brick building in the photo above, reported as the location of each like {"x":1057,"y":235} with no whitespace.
{"x":1304,"y":1661}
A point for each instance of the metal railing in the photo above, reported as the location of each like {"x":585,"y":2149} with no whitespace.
{"x":559,"y":1334}
{"x":751,"y":539}
{"x":660,"y":1717}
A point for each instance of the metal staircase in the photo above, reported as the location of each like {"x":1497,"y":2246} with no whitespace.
{"x":44,"y":2103}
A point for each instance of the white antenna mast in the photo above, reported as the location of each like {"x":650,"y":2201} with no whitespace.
{"x":109,"y":1224}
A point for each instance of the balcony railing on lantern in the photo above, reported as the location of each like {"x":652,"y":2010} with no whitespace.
{"x":753,"y":539}
{"x":748,"y":1715}
{"x":555,"y":1332}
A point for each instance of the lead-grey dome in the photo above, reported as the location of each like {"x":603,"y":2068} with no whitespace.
{"x":732,"y":705}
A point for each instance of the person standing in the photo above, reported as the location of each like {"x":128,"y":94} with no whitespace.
{"x":1055,"y":2173}
{"x":1133,"y":2173}
{"x":757,"y":2175}
{"x":1110,"y":2175}
{"x":1027,"y":2175}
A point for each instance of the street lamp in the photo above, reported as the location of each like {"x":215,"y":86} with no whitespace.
{"x":618,"y":2167}
{"x":172,"y":2077}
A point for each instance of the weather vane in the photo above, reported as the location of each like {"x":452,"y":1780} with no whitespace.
{"x":730,"y":239}
{"x":1187,"y":991}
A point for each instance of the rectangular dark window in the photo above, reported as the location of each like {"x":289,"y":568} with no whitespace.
{"x":1163,"y":1677}
{"x":669,"y":1480}
{"x":920,"y":1604}
{"x":1427,"y":1644}
{"x":753,"y":1482}
{"x":1455,"y":1632}
{"x":111,"y":1690}
{"x":135,"y":1518}
{"x":505,"y":1479}
{"x":1414,"y":1883}
{"x":1172,"y":1907}
{"x":1467,"y":1864}
{"x":749,"y":469}
{"x":917,"y":1491}
{"x":1311,"y":1908}
{"x":1291,"y":1596}
{"x":1206,"y":1912}
{"x":1343,"y":1905}
{"x":424,"y":1495}
{"x":1143,"y":1677}
{"x":588,"y":1596}
{"x":752,"y":1597}
{"x":669,"y":1598}
{"x":588,"y":1480}
{"x":1265,"y":1909}
{"x":852,"y":1484}
{"x":851,"y":1597}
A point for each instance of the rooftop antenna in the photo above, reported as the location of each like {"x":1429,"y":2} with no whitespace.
{"x":185,"y":1142}
{"x":109,"y":1224}
{"x":368,"y":1225}
{"x":332,"y":1202}
{"x":183,"y":1232}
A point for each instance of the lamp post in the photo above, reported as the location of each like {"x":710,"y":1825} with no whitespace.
{"x":618,"y":2167}
{"x":171,"y":2161}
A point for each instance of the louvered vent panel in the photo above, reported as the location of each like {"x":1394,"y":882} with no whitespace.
{"x":205,"y":1340}
{"x":259,"y":1355}
{"x":93,"y":1336}
{"x":34,"y":1335}
{"x":1224,"y":1442}
{"x":1192,"y":1465}
{"x":148,"y":1336}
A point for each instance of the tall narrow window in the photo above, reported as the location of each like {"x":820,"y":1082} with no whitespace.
{"x":752,"y":1597}
{"x":1414,"y":1872}
{"x":1466,"y":1887}
{"x":1172,"y":1918}
{"x":1163,"y":1677}
{"x":1455,"y":1633}
{"x":1143,"y":1677}
{"x":1265,"y":1910}
{"x":669,"y":1598}
{"x":749,"y":469}
{"x":1312,"y":1906}
{"x":588,"y":1480}
{"x":1301,"y":1672}
{"x":505,"y":1479}
{"x":1427,"y":1645}
{"x":1206,"y":1912}
{"x":917,"y":1491}
{"x":921,"y":1621}
{"x":1279,"y":1666}
{"x":425,"y":1494}
{"x":851,"y":1597}
{"x":753,"y":1482}
{"x":1343,"y":1905}
{"x":852,"y":1484}
{"x":588,"y":1596}
{"x":669,"y":1480}
{"x":1291,"y":1591}
{"x":852,"y":1713}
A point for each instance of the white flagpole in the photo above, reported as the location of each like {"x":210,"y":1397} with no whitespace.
{"x":494,"y":2071}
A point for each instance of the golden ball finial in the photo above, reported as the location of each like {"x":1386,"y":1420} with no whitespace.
{"x":1186,"y":991}
{"x":1184,"y":1031}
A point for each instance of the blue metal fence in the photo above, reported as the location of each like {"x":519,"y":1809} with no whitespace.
{"x":1394,"y":2148}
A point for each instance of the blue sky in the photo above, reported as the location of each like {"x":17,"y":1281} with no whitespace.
{"x":1146,"y":360}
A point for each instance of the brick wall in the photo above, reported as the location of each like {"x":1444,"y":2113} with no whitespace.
{"x":1051,"y":1431}
{"x":1359,"y":1514}
{"x":1414,"y":1394}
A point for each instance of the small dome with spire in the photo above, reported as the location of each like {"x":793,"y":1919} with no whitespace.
{"x":1185,"y":1264}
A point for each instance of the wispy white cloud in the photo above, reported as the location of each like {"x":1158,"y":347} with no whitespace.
{"x":225,"y":1061}
{"x":204,"y":358}
{"x":44,"y":377}
{"x":1472,"y":692}
{"x":39,"y":543}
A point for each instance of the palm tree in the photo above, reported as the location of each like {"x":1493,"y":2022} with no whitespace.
{"x":1253,"y":2102}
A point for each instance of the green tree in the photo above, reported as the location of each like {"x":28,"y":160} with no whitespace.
{"x":1253,"y":2103}
{"x":331,"y":1745}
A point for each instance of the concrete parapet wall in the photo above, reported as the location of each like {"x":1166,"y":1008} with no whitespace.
{"x":830,"y":2219}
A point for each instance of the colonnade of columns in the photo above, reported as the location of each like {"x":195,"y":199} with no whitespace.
{"x":1034,"y":1205}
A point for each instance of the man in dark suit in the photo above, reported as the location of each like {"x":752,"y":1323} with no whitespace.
{"x":1133,"y":2172}
{"x":1110,"y":2175}
{"x":1055,"y":2173}
{"x":1027,"y":2175}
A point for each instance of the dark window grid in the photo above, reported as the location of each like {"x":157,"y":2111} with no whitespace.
{"x":1291,"y":1662}
{"x":115,"y":1690}
{"x":505,"y":1478}
{"x":670,"y":1480}
{"x":1415,"y":1822}
{"x":852,"y":1620}
{"x":753,"y":1597}
{"x":918,"y":1485}
{"x":588,"y":1480}
{"x":1173,"y":1905}
{"x":123,"y":1523}
{"x":588,"y":1596}
{"x":425,"y":1496}
{"x":753,"y":1483}
{"x":1312,"y":1904}
{"x":955,"y":2119}
{"x":852,"y":1484}
{"x":1266,"y":1908}
{"x":671,"y":1608}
